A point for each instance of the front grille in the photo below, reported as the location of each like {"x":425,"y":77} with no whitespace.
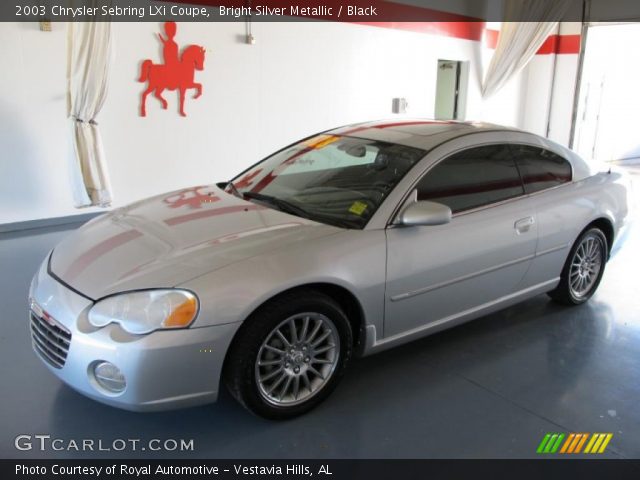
{"x":50,"y":340}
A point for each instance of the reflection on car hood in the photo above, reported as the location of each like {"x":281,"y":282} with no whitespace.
{"x":169,"y":239}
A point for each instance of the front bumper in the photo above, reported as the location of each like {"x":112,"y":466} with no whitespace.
{"x":163,"y":370}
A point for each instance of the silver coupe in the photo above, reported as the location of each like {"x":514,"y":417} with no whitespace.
{"x":346,"y":243}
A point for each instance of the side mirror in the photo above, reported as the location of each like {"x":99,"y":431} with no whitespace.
{"x":424,"y":213}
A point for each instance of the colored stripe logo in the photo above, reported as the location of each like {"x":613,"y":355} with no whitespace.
{"x":574,"y":443}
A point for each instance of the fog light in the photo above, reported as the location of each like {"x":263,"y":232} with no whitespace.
{"x":109,"y":377}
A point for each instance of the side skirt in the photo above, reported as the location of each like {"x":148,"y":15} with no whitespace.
{"x":373,"y":345}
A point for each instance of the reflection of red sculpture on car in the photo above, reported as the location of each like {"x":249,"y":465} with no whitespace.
{"x":191,"y":197}
{"x":175,"y":73}
{"x":247,"y":180}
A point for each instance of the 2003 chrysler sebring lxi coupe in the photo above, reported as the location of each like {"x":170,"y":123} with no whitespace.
{"x":348,"y":242}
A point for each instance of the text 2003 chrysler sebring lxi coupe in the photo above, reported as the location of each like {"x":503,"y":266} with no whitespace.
{"x":348,"y":242}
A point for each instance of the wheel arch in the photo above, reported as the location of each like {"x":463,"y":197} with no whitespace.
{"x":343,"y":296}
{"x":606,"y":226}
{"x":562,"y":292}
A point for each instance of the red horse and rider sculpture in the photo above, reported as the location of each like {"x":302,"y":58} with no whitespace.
{"x":177,"y":72}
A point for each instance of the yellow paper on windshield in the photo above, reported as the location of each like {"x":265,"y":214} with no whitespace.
{"x":358,"y":207}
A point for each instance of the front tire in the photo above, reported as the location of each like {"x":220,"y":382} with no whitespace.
{"x":290,"y":355}
{"x":583,"y":269}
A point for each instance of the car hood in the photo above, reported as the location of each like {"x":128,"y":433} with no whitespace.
{"x":169,"y":239}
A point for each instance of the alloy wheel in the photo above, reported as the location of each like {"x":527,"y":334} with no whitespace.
{"x":585,"y":266}
{"x":297,"y":359}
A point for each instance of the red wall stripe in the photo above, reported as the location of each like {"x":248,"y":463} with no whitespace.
{"x":462,"y":30}
{"x":562,"y":44}
{"x":568,"y":44}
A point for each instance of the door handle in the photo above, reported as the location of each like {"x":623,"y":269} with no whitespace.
{"x":524,"y":225}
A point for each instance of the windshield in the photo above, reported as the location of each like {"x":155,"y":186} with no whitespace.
{"x":331,"y":179}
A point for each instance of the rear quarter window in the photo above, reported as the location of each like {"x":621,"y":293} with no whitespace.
{"x":540,"y":169}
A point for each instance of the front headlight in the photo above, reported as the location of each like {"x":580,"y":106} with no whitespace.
{"x":147,"y":310}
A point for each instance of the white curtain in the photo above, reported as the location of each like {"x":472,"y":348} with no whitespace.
{"x":518,"y":42}
{"x":88,"y":60}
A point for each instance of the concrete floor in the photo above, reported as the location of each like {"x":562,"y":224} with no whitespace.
{"x":490,"y":388}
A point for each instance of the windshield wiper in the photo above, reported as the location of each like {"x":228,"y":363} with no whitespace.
{"x":234,"y":189}
{"x":288,"y":207}
{"x":279,"y":203}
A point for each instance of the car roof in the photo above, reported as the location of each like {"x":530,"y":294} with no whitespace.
{"x":427,"y":134}
{"x":419,"y":133}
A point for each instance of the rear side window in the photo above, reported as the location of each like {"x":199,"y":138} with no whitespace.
{"x":540,"y":168}
{"x":472,"y":178}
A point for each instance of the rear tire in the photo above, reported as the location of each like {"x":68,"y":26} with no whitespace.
{"x":289,"y":355}
{"x":583,"y":269}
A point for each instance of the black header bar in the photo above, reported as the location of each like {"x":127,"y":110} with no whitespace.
{"x":359,"y":11}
